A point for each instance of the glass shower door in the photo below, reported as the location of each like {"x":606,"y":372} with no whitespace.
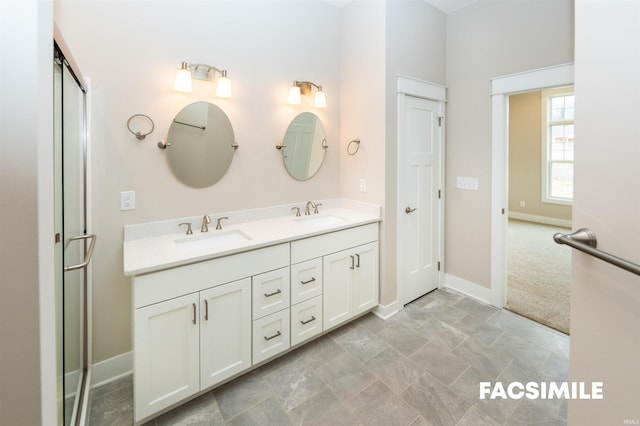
{"x":74,"y":246}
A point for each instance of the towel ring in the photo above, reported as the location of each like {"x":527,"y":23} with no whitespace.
{"x":139,"y":135}
{"x":351,"y":151}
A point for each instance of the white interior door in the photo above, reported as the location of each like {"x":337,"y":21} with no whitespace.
{"x":420,"y":136}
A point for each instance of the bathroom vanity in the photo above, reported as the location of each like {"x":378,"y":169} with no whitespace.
{"x":213,"y":305}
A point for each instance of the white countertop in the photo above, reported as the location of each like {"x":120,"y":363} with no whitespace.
{"x":155,"y":246}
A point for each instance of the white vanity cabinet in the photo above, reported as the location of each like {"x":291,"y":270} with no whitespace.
{"x":193,"y":325}
{"x":225,"y":332}
{"x":306,"y":300}
{"x":270,"y":314}
{"x":350,"y":287}
{"x":197,"y":325}
{"x":167,"y":354}
{"x":350,"y":274}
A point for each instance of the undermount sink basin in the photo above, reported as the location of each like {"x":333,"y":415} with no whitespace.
{"x":211,"y":239}
{"x":319,"y":219}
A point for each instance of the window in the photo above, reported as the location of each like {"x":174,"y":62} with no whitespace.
{"x":557,"y":173}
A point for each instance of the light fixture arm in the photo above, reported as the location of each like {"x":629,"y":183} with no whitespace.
{"x":305,"y":86}
{"x":204,"y":75}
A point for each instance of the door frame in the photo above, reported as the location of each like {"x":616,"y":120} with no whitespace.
{"x":501,"y":89}
{"x":410,"y":86}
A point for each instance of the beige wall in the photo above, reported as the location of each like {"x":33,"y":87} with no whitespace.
{"x":416,"y":47}
{"x":525,"y":157}
{"x":350,"y":61}
{"x":605,"y":319}
{"x":485,"y":40}
{"x":27,"y":320}
{"x":130,"y":52}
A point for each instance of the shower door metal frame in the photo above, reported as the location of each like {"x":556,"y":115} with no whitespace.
{"x":87,"y":240}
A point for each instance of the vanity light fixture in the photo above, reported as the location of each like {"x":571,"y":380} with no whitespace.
{"x":188,"y":71}
{"x":305,"y":88}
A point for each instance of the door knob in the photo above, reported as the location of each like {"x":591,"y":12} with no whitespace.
{"x":410,"y":210}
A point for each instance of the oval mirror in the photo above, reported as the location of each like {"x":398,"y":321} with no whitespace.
{"x":304,"y":145}
{"x":201,"y":144}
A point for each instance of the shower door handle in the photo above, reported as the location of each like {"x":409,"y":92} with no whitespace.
{"x":410,"y":210}
{"x":87,"y":256}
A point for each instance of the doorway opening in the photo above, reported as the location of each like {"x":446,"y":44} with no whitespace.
{"x":502,"y":89}
{"x":540,"y":182}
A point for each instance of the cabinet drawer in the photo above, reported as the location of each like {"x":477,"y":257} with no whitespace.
{"x":306,"y":280}
{"x":320,"y":245}
{"x":270,"y":335}
{"x":306,"y":320}
{"x":270,"y":292}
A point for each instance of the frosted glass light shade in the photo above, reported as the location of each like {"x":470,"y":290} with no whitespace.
{"x":294,"y":95}
{"x":223,"y":87}
{"x":320,"y":100}
{"x":183,"y":80}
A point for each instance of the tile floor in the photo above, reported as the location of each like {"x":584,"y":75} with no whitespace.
{"x":421,"y":367}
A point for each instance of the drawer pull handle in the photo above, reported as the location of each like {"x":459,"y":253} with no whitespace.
{"x":273,"y":337}
{"x":357,"y":260}
{"x":308,"y":321}
{"x":352,"y":262}
{"x":278,"y":291}
{"x":206,"y":309}
{"x":308,"y":281}
{"x":194,"y":313}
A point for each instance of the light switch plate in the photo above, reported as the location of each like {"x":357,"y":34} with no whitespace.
{"x":470,"y":184}
{"x":363,"y":185}
{"x":127,"y":200}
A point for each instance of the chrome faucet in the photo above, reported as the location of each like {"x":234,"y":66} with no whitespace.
{"x":189,"y":231}
{"x":306,"y":209}
{"x":315,"y":206}
{"x":297,"y":209}
{"x":206,"y":220}
{"x":218,"y":225}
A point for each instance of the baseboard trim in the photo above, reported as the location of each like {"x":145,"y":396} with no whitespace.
{"x":468,"y":288}
{"x":111,"y":369}
{"x":565,"y":223}
{"x":386,"y":311}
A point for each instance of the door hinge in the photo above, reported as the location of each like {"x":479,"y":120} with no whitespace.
{"x":440,"y":121}
{"x":503,"y":211}
{"x":439,"y":193}
{"x":438,"y":265}
{"x":58,"y":238}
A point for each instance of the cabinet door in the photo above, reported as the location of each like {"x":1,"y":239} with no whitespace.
{"x":306,"y":280}
{"x":270,"y":292}
{"x":365,"y":281}
{"x":225,"y":331}
{"x":166,"y":354}
{"x":337,"y":287}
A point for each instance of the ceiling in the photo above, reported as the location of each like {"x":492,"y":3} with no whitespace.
{"x":447,"y":6}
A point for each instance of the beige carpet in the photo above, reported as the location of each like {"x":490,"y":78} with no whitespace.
{"x":538,"y":274}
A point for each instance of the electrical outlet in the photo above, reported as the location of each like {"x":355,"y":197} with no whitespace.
{"x":522,"y":203}
{"x":363,"y":185}
{"x":127,"y":200}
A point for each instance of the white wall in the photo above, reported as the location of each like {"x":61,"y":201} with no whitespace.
{"x":488,"y":39}
{"x":381,"y":40}
{"x":27,"y":317}
{"x":416,"y":47}
{"x":131,"y":50}
{"x":605,"y":318}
